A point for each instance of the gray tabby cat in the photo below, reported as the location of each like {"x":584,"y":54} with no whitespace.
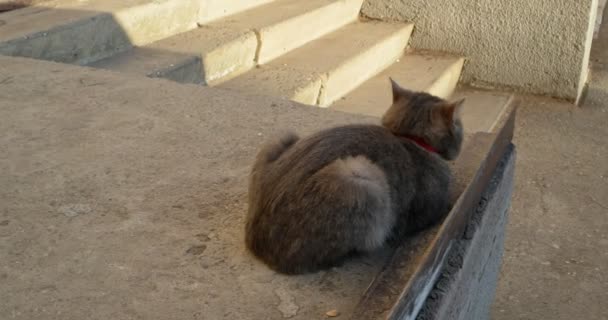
{"x":313,"y":202}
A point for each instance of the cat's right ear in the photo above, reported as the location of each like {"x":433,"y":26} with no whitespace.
{"x":398,"y":91}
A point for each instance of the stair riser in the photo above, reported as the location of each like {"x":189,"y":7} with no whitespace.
{"x":230,"y":60}
{"x":283,"y":37}
{"x":157,"y":20}
{"x":215,"y":9}
{"x":81,"y":42}
{"x":310,"y":93}
{"x":217,"y":66}
{"x":88,"y":33}
{"x":190,"y":71}
{"x":243,"y":53}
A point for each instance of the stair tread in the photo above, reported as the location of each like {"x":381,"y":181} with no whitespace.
{"x":312,"y":62}
{"x":143,"y":61}
{"x":483,"y":109}
{"x":417,"y":72}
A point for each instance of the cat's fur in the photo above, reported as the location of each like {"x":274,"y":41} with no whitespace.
{"x":315,"y":201}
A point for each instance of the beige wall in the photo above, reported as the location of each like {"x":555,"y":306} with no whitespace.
{"x":538,"y":46}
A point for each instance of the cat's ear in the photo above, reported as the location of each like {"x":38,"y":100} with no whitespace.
{"x":452,"y":111}
{"x":398,"y":91}
{"x":458,"y":105}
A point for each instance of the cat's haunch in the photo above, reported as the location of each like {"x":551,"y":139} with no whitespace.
{"x":315,"y":201}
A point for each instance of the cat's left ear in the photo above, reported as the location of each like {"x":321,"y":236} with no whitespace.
{"x":398,"y":91}
{"x":458,"y":105}
{"x":453,"y":110}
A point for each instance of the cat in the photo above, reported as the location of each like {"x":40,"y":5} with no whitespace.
{"x":316,"y":201}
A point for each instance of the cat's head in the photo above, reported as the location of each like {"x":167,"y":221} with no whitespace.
{"x":430,"y":118}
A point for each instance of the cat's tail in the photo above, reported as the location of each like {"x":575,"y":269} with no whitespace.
{"x":365,"y":187}
{"x":270,"y":152}
{"x":343,"y":208}
{"x":274,"y":148}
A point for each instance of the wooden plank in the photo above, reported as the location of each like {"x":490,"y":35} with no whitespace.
{"x":400,"y":289}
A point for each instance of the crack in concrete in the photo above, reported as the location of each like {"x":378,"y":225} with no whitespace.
{"x":323,"y":79}
{"x":258,"y":37}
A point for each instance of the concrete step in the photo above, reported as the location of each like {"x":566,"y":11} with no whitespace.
{"x":483,"y":110}
{"x":435,"y":74}
{"x":75,"y":31}
{"x":326,"y":69}
{"x":220,"y":50}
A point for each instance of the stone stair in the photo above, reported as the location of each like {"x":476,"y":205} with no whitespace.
{"x":316,"y":52}
{"x":435,"y":74}
{"x":219,"y":50}
{"x":325,"y":69}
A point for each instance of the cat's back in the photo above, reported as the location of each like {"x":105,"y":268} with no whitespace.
{"x":311,"y":153}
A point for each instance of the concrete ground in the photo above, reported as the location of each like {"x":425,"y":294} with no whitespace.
{"x":557,"y":239}
{"x":123,"y":197}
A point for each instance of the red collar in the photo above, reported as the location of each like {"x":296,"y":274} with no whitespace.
{"x":419,"y":141}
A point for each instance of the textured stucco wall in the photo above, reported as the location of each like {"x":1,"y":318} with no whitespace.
{"x":538,"y":46}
